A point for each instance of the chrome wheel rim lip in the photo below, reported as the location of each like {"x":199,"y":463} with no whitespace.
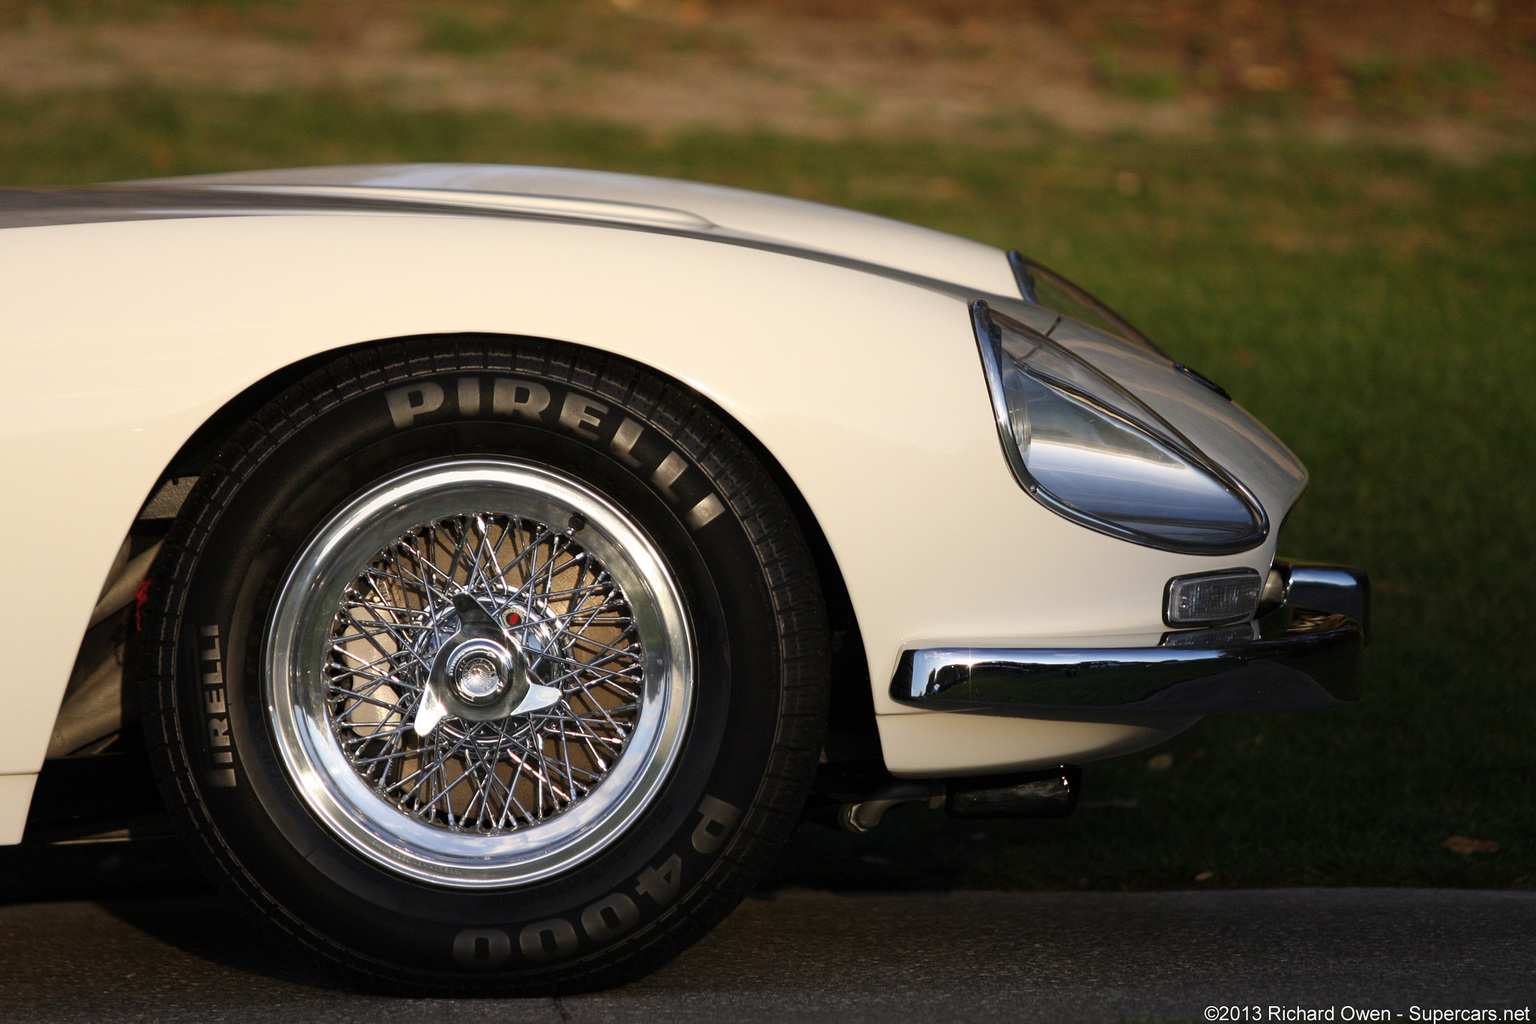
{"x":296,"y":686}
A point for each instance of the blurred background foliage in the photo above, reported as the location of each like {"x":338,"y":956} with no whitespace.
{"x":1329,"y":207}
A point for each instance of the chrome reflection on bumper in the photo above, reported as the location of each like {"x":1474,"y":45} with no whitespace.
{"x":1331,"y":588}
{"x":1291,"y":659}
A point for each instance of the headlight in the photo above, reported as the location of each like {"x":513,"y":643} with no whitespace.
{"x":1090,"y":450}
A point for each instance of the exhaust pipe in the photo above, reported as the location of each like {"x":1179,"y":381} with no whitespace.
{"x":866,"y":814}
{"x":1044,"y":794}
{"x":1048,"y":794}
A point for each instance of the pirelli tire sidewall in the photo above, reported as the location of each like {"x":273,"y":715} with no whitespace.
{"x":646,"y":447}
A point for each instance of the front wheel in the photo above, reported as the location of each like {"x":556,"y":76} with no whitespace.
{"x":481,"y":666}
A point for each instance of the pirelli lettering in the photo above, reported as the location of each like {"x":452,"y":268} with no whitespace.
{"x":632,"y":443}
{"x":214,"y":702}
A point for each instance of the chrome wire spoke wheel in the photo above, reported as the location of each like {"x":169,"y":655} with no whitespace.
{"x":486,"y":665}
{"x":480,"y":671}
{"x":484,"y":748}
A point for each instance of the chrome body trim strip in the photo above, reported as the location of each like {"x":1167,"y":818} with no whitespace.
{"x":100,"y":204}
{"x":497,"y":202}
{"x":1025,"y":270}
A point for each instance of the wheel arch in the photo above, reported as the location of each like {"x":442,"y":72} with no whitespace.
{"x":852,"y":708}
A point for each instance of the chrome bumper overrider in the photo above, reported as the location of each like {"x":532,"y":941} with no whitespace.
{"x":1289,"y":659}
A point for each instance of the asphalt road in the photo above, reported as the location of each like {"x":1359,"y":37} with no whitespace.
{"x":826,"y":957}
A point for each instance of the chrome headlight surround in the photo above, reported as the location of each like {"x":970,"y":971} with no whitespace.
{"x":1089,"y":450}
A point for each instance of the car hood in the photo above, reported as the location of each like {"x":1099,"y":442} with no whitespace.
{"x":1222,"y":430}
{"x":717,"y":210}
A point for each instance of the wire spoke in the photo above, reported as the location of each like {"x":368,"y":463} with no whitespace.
{"x":572,"y":621}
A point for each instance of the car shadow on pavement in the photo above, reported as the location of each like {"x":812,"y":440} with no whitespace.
{"x":57,"y":894}
{"x":215,"y":929}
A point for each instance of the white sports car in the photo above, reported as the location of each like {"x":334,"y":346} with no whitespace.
{"x":490,"y":562}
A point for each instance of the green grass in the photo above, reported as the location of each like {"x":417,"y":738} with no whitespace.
{"x":1374,"y":307}
{"x":1152,"y":85}
{"x":459,"y":32}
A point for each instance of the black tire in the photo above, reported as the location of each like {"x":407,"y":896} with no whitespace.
{"x":692,"y":845}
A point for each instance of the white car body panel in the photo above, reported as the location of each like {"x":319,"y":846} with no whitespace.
{"x":121,"y":338}
{"x":716,"y":209}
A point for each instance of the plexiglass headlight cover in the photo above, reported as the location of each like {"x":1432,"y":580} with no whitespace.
{"x":1091,"y":451}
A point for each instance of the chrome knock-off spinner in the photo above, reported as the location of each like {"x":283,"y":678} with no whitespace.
{"x":479,"y":674}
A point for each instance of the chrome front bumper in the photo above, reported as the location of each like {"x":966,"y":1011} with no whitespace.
{"x":1291,"y":658}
